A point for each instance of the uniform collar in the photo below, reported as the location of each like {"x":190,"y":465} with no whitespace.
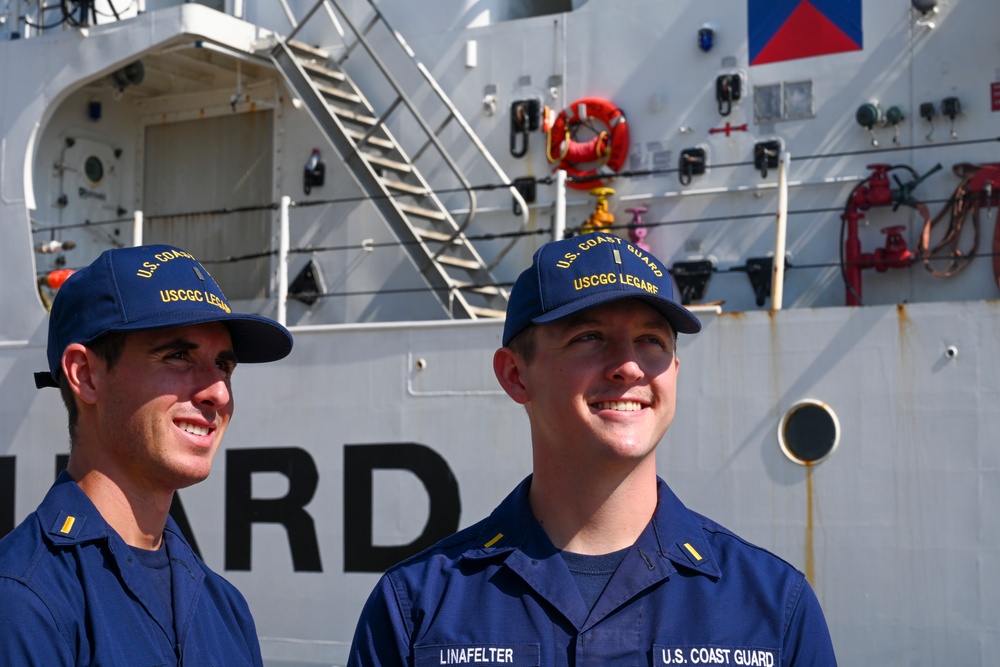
{"x":675,"y":533}
{"x":512,"y":527}
{"x":679,"y":534}
{"x":673,"y":540}
{"x":68,"y":516}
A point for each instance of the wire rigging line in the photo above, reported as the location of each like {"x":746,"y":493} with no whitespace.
{"x":471,"y":287}
{"x":542,"y":180}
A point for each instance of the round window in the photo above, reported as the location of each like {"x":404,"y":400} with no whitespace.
{"x":809,"y":432}
{"x":94,"y":169}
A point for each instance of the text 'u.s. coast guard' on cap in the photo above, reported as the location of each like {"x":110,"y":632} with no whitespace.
{"x":581,"y":272}
{"x":151,"y":287}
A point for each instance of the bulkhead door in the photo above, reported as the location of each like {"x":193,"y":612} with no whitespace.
{"x":194,"y":171}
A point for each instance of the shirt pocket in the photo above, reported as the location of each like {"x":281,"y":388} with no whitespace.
{"x":478,"y":655}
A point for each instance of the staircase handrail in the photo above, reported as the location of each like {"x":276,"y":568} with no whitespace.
{"x":442,"y":96}
{"x":497,"y":169}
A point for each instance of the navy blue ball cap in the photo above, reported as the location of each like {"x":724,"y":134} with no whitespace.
{"x":151,"y":287}
{"x":574,"y":274}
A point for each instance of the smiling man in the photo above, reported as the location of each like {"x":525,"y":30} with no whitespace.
{"x":592,"y":560}
{"x":142,"y":346}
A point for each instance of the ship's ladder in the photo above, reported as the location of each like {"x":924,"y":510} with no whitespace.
{"x":436,"y":243}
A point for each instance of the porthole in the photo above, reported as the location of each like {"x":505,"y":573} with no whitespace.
{"x":809,"y":432}
{"x":94,"y":169}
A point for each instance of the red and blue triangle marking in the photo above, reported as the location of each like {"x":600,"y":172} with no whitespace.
{"x":790,"y":29}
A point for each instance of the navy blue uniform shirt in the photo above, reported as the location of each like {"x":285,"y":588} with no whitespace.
{"x":73,"y":593}
{"x":688,"y":592}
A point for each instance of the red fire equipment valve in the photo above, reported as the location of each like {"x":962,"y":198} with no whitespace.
{"x":895,"y":254}
{"x":876,"y":190}
{"x":879,"y":188}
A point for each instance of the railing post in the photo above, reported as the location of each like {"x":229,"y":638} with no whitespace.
{"x":137,"y":229}
{"x":778,"y":278}
{"x":283,"y":240}
{"x":559,"y":215}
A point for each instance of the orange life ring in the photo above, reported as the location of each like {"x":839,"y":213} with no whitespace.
{"x":609,"y":147}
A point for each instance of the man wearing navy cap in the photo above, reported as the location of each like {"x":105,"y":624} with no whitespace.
{"x":592,"y":560}
{"x":142,"y":346}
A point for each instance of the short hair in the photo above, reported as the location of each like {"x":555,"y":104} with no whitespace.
{"x":523,"y":343}
{"x":108,"y":347}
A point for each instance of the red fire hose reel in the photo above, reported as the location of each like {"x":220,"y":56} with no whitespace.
{"x":984,"y":191}
{"x":978,"y":189}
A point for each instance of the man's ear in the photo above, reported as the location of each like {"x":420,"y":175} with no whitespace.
{"x":83,"y":370}
{"x":507,"y":365}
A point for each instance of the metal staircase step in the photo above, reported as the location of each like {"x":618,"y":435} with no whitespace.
{"x":343,"y":95}
{"x":467,"y":264}
{"x":488,"y":290}
{"x":347,"y":114}
{"x":371,"y":140}
{"x":305,"y":49}
{"x":404,"y":187}
{"x":439,"y":237}
{"x":422,"y":212}
{"x":323,"y":72}
{"x":385,"y":162}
